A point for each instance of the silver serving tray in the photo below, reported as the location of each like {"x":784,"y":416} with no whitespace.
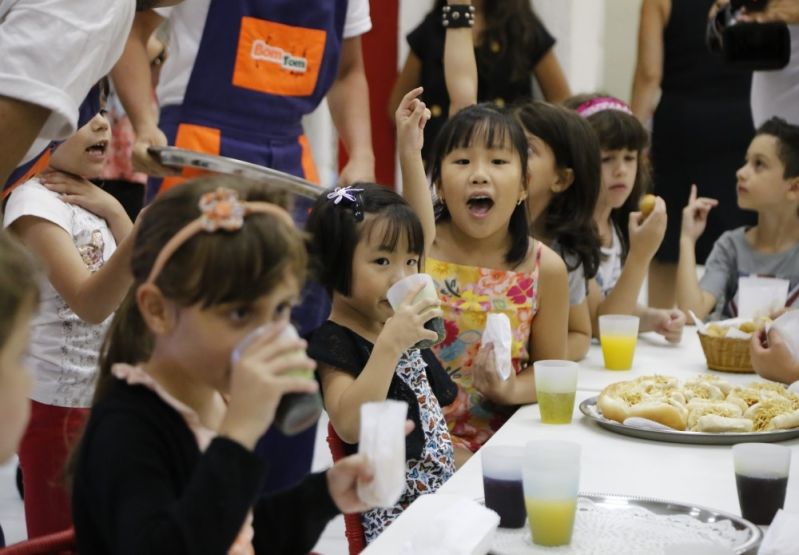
{"x":722,"y":438}
{"x":662,"y":507}
{"x":182,"y":158}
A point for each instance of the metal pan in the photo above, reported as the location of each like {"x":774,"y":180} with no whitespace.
{"x":590,"y":410}
{"x":182,"y":158}
{"x":518,"y":542}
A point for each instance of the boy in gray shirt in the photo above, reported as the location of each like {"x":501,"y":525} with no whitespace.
{"x":768,"y":184}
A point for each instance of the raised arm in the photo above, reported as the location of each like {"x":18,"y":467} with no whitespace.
{"x":348,"y":100}
{"x":694,"y":219}
{"x":649,"y":65}
{"x":551,"y":79}
{"x":20,"y":123}
{"x":411,"y":117}
{"x":460,"y":66}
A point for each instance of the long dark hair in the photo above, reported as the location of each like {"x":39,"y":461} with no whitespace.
{"x":334,"y":230}
{"x":511,"y":24}
{"x":18,"y":289}
{"x":619,"y":130}
{"x":207,"y":270}
{"x":495,"y":128}
{"x":569,"y":216}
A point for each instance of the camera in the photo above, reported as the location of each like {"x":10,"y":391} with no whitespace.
{"x":749,"y":46}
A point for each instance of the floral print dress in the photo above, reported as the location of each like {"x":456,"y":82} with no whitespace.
{"x":436,"y":464}
{"x":468,"y":294}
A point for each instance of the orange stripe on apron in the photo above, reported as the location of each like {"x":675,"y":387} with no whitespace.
{"x":308,"y":165}
{"x":197,"y":138}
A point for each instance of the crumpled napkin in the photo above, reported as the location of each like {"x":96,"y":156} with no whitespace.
{"x":782,"y":537}
{"x":450,"y":525}
{"x":382,"y":440}
{"x":497,"y":331}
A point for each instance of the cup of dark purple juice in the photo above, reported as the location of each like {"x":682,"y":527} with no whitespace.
{"x":761,"y":476}
{"x":296,"y":412}
{"x":502,"y":484}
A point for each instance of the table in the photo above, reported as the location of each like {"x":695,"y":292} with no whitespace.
{"x":613,"y":463}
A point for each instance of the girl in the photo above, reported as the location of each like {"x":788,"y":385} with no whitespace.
{"x":629,"y":240}
{"x":510,"y":44}
{"x":366,"y":238}
{"x":166,"y":463}
{"x":482,"y":259}
{"x":83,"y":236}
{"x":564,"y":184}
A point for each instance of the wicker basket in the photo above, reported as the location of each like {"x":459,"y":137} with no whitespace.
{"x":725,"y":354}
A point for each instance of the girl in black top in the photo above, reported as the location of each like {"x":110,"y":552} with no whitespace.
{"x":364,"y":239}
{"x":166,"y":463}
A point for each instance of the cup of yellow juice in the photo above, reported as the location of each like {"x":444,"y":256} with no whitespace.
{"x":551,"y":479}
{"x":618,"y":334}
{"x":555,"y":385}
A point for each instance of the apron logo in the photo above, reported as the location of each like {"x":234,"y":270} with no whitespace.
{"x":275,"y":55}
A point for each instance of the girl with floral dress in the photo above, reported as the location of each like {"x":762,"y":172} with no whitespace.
{"x":483,"y":260}
{"x":363,"y":239}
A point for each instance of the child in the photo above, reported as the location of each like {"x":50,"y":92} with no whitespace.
{"x":365,"y":239}
{"x":166,"y":463}
{"x":564,"y":170}
{"x":768,"y":184}
{"x":483,"y":260}
{"x":628,"y":239}
{"x":82,"y":235}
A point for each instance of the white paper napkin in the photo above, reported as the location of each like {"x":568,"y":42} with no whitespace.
{"x":498,"y":332}
{"x":382,"y":440}
{"x":788,"y":326}
{"x":782,"y":537}
{"x":450,"y":525}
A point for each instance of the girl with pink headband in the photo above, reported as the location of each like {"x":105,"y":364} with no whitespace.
{"x":166,"y":462}
{"x":629,"y":239}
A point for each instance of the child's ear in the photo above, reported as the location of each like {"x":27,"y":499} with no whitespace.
{"x":564,"y":180}
{"x":158,"y":313}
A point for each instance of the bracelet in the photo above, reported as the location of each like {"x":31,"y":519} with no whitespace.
{"x":457,"y":16}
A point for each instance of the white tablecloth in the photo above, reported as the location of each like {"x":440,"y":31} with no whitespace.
{"x":616,"y":464}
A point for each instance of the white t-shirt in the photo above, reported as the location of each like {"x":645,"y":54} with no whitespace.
{"x":776,"y":93}
{"x":64,"y":349}
{"x":53,"y":51}
{"x":187,"y":21}
{"x":609,"y":265}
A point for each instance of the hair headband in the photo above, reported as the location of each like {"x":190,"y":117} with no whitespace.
{"x":350,"y":197}
{"x":219,"y":209}
{"x":600,"y":104}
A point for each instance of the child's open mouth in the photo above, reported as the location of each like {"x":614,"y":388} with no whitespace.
{"x":97,"y":150}
{"x":479,"y":205}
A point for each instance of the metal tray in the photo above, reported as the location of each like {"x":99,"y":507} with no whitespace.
{"x":747,"y":546}
{"x":590,"y":410}
{"x":182,"y":158}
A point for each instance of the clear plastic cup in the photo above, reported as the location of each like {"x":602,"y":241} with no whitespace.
{"x":761,"y":477}
{"x":400,"y":291}
{"x":296,"y":412}
{"x":551,"y":480}
{"x":555,"y":385}
{"x":618,"y":334}
{"x":502,"y":483}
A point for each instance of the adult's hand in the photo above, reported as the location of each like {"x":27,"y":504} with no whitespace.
{"x":143,"y":161}
{"x":776,"y":10}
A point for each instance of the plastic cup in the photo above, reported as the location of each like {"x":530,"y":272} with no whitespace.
{"x":502,"y":483}
{"x":296,"y":411}
{"x":551,"y":480}
{"x":761,"y":477}
{"x":618,"y":334}
{"x":555,"y":385}
{"x":759,"y":296}
{"x":788,"y":327}
{"x":400,"y":291}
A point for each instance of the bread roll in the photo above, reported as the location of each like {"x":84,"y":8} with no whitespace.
{"x":714,"y":423}
{"x":660,"y":411}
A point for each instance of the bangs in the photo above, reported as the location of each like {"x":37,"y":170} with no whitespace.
{"x":394,"y":222}
{"x":617,"y":130}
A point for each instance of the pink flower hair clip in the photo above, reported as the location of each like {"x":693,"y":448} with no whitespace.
{"x":350,"y":197}
{"x":219,"y":210}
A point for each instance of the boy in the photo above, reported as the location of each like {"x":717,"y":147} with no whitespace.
{"x":768,"y":184}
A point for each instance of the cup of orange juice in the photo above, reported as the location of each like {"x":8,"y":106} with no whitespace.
{"x":551,"y":480}
{"x":618,"y":334}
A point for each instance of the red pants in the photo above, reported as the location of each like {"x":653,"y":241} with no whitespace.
{"x":45,"y":446}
